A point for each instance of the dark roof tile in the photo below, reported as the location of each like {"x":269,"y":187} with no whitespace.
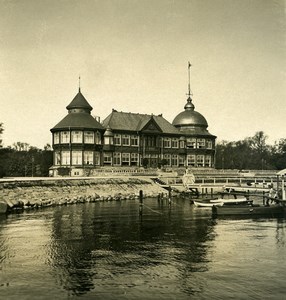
{"x":136,"y":122}
{"x":78,"y":120}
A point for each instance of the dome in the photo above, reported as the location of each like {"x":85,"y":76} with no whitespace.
{"x":190,"y":117}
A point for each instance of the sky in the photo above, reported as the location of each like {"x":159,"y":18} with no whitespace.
{"x":132,"y":55}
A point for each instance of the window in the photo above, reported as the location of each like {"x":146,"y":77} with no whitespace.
{"x":182,"y":144}
{"x":57,"y":158}
{"x":117,"y":159}
{"x":175,"y":143}
{"x":200,"y":160}
{"x":56,"y":138}
{"x":208,"y":161}
{"x":201,"y":143}
{"x":125,"y":140}
{"x":108,"y":140}
{"x":191,"y":160}
{"x":76,"y":158}
{"x":65,"y":158}
{"x":181,"y":161}
{"x":117,"y":139}
{"x":150,"y":141}
{"x":88,"y":158}
{"x":134,"y":159}
{"x":191,"y":143}
{"x":65,"y":137}
{"x":168,"y":159}
{"x":98,"y":138}
{"x":174,"y":160}
{"x":125,"y":159}
{"x":134,"y":140}
{"x":88,"y":137}
{"x":167,"y":143}
{"x":76,"y":136}
{"x":209,"y":144}
{"x":107,"y":160}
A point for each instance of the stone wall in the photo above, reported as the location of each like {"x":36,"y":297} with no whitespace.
{"x":44,"y":192}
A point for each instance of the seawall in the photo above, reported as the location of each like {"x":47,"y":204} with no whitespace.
{"x":28,"y":193}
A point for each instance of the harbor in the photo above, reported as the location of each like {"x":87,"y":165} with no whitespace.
{"x":109,"y":250}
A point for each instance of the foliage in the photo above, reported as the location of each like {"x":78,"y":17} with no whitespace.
{"x":29,"y":161}
{"x":251,"y":153}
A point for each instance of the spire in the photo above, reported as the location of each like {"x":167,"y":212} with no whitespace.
{"x":79,"y":84}
{"x":189,"y":105}
{"x":189,"y":85}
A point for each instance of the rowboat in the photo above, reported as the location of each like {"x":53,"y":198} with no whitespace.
{"x":241,"y":200}
{"x":207,"y":204}
{"x":221,"y":202}
{"x":248,"y":210}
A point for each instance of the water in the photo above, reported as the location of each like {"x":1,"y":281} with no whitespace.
{"x":108,"y":250}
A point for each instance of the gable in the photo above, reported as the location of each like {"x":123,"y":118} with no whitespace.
{"x":151,"y":127}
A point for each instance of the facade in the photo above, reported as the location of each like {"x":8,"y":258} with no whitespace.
{"x":82,"y":145}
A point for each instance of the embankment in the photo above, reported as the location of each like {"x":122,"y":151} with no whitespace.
{"x":25,"y":193}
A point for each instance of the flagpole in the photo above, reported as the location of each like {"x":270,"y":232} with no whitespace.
{"x":189,"y":67}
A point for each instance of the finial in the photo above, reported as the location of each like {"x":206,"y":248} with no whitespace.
{"x":79,"y":83}
{"x":189,"y":86}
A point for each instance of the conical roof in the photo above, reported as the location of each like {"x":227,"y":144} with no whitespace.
{"x":79,"y":116}
{"x":79,"y":102}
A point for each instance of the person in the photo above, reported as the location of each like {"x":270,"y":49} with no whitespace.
{"x":271,"y":193}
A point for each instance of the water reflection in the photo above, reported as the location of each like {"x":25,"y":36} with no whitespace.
{"x":109,"y":250}
{"x":96,"y":243}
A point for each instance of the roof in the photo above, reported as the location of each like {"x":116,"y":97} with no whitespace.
{"x":136,"y":122}
{"x":78,"y":120}
{"x":189,"y":117}
{"x":79,"y":102}
{"x":196,"y":131}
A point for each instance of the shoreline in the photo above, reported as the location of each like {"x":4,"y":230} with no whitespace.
{"x":31,"y":193}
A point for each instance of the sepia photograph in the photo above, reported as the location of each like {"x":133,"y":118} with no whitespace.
{"x":142,"y":149}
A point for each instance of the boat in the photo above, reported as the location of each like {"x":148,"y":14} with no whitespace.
{"x":248,"y":210}
{"x":242,"y":200}
{"x":221,"y":202}
{"x":199,"y":203}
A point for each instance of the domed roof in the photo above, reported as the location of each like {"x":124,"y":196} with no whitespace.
{"x":190,"y":117}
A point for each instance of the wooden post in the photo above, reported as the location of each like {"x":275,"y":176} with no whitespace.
{"x":169,"y":194}
{"x":140,"y":202}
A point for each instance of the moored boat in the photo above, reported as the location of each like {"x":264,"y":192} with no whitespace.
{"x":206,"y":203}
{"x":242,"y":200}
{"x":221,"y":202}
{"x":248,"y":210}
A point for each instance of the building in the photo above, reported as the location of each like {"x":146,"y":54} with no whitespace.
{"x":82,"y":145}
